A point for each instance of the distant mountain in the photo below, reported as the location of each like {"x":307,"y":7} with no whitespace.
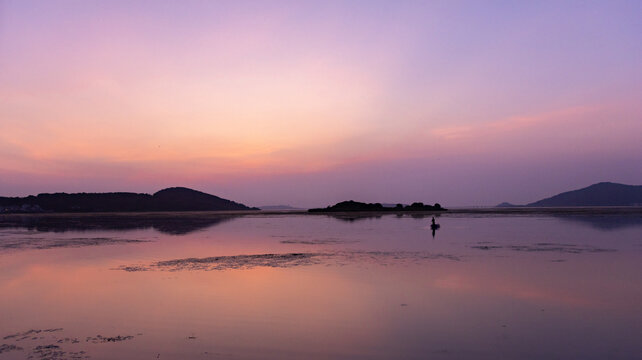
{"x":171,"y":199}
{"x":278,"y":207}
{"x":507,"y":204}
{"x":600,"y":194}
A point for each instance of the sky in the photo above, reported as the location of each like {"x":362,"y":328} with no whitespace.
{"x":307,"y":103}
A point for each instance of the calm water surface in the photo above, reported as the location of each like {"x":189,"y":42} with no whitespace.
{"x":321,"y":287}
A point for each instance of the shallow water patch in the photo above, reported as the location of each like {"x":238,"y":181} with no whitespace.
{"x":39,"y":243}
{"x":287,"y":260}
{"x":546,"y":247}
{"x":45,"y":344}
{"x":4,"y":348}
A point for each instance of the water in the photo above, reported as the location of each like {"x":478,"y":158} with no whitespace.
{"x":179,"y":286}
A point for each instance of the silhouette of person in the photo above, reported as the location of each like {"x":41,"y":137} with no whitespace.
{"x":433,"y":220}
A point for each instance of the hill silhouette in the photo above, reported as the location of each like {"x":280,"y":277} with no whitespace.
{"x":506,"y":204}
{"x":171,"y":199}
{"x":600,"y":194}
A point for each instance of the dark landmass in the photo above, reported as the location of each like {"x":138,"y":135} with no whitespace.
{"x":278,"y":207}
{"x":171,"y":199}
{"x":600,"y":194}
{"x":350,"y":206}
{"x":388,"y":205}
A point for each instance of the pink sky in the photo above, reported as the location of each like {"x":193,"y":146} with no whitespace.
{"x":307,"y":103}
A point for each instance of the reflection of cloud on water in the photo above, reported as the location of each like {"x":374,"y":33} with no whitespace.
{"x":289,"y":260}
{"x":515,"y":289}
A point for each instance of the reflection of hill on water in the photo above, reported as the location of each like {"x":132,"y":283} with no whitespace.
{"x":173,"y":224}
{"x":605,"y":222}
{"x":352,"y":217}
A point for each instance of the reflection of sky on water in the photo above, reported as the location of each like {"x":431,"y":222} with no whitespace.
{"x":606,"y":222}
{"x":485,"y":304}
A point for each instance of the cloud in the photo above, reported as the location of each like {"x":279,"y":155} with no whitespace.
{"x":516,"y":124}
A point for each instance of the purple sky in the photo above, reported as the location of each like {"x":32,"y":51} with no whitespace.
{"x":310,"y":103}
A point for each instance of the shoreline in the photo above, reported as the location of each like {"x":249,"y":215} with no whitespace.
{"x":598,"y":210}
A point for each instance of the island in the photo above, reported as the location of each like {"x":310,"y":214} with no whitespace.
{"x":170,"y":199}
{"x":355,"y":206}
